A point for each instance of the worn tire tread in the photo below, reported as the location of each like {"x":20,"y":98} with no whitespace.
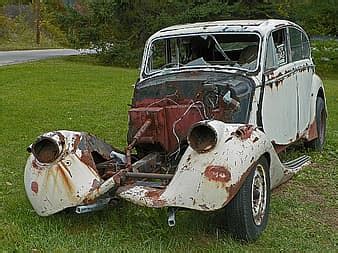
{"x":238,"y":213}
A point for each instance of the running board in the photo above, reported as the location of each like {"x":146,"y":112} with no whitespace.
{"x":298,"y":163}
{"x":293,"y":166}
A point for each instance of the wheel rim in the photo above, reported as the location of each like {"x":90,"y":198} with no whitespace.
{"x":258,"y":195}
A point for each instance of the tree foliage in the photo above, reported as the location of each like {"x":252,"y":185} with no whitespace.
{"x":127,"y":24}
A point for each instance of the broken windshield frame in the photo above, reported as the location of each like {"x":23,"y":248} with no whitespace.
{"x":216,"y":50}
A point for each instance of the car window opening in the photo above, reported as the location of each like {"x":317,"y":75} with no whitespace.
{"x":229,"y":50}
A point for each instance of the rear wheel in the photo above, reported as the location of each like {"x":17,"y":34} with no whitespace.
{"x":318,"y":143}
{"x":247,"y":213}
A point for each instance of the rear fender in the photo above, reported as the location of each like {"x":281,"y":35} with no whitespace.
{"x":317,"y":85}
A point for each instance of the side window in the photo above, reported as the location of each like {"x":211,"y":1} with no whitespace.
{"x":306,"y":47}
{"x":276,"y":50}
{"x":300,"y":46}
{"x":158,"y":51}
{"x":296,"y":44}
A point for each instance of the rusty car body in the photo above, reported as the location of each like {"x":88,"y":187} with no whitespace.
{"x":215,"y":104}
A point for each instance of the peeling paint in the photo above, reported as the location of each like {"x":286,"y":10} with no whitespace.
{"x":34,"y":187}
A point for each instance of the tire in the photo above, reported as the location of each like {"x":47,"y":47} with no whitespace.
{"x":247,"y":213}
{"x":318,"y":143}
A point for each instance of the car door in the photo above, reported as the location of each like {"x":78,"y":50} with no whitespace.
{"x":304,"y":69}
{"x":279,"y":112}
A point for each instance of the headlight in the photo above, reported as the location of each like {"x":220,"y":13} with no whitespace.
{"x":202,"y":137}
{"x":46,"y":150}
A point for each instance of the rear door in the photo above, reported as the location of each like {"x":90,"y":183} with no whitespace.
{"x":279,"y":104}
{"x":304,"y":69}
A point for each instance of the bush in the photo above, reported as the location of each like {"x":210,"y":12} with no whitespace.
{"x":6,"y":25}
{"x":119,"y":54}
{"x":325,"y":55}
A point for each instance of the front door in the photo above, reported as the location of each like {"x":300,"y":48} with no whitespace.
{"x":279,"y":104}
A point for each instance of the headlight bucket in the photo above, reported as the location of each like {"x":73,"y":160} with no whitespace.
{"x":46,"y":149}
{"x":202,"y":137}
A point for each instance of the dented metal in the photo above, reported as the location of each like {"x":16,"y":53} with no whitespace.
{"x":71,"y":178}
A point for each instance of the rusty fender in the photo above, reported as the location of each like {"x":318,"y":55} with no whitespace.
{"x":317,"y":85}
{"x":61,"y":172}
{"x":212,"y":169}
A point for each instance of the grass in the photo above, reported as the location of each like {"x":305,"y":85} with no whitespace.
{"x":70,"y":94}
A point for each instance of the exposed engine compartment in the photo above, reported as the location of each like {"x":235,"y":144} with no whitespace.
{"x":174,"y":102}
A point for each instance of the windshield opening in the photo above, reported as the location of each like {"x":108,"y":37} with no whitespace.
{"x":230,"y":50}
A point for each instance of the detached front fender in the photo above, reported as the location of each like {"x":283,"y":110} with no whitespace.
{"x":66,"y":175}
{"x":209,"y":180}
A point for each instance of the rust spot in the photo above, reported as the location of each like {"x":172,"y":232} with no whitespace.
{"x":34,"y":187}
{"x":217,"y":174}
{"x":87,"y":159}
{"x":119,"y":177}
{"x":278,"y":148}
{"x":312,"y":132}
{"x":279,"y":82}
{"x":95,"y":185}
{"x":244,"y":132}
{"x":154,"y":194}
{"x":35,"y":165}
{"x":61,"y":137}
{"x":77,"y":140}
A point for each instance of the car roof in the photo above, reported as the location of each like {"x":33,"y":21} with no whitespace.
{"x":260,"y":26}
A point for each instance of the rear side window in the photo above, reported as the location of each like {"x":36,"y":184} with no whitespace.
{"x":299,"y":45}
{"x":277,"y":49}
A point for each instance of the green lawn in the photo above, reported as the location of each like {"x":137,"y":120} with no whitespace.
{"x":69,"y":94}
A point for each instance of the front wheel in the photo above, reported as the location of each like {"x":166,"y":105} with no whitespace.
{"x":247,"y":213}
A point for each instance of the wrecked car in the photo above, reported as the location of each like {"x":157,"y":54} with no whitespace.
{"x":215,"y":105}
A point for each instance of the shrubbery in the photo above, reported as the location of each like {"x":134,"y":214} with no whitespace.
{"x":119,"y":54}
{"x":325,"y":55}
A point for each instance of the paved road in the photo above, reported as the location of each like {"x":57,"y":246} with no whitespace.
{"x":14,"y":57}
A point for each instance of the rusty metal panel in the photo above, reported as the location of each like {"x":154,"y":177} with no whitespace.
{"x":166,"y":122}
